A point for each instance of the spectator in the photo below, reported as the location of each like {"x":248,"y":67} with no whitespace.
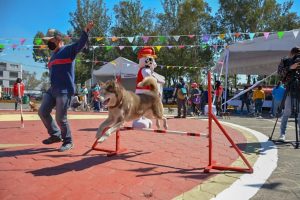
{"x":218,"y":94}
{"x":246,"y":100}
{"x":75,"y":103}
{"x":181,"y":93}
{"x":258,"y":98}
{"x":195,"y":98}
{"x":18,"y":87}
{"x":277,"y":94}
{"x":96,"y":98}
{"x":83,"y":96}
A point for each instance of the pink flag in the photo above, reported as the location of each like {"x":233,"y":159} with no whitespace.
{"x":22,"y":40}
{"x":266,"y":34}
{"x":145,"y":38}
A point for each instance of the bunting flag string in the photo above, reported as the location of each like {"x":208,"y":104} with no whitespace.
{"x":115,"y":63}
{"x":109,"y":47}
{"x":205,"y":37}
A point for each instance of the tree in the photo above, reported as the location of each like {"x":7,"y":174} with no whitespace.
{"x":132,"y":20}
{"x":188,"y":17}
{"x":86,"y":11}
{"x":30,"y":80}
{"x":255,"y":16}
{"x":45,"y":83}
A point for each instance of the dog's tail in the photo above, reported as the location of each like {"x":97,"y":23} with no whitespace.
{"x":149,"y":81}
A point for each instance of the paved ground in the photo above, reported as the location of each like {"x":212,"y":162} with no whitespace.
{"x":145,"y":171}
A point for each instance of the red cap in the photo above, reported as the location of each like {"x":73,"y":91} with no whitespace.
{"x":146,"y":51}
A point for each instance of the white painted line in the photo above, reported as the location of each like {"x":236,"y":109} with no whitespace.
{"x":249,"y":184}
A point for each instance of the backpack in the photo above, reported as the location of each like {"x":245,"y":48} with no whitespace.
{"x":181,"y":93}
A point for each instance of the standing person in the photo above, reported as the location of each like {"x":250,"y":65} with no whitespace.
{"x":62,"y":80}
{"x":277,"y":94}
{"x":195,"y":98}
{"x":181,"y":92}
{"x":18,"y":97}
{"x":96,"y":98}
{"x":83,"y":95}
{"x":245,"y":100}
{"x":286,"y":71}
{"x":258,"y":98}
{"x":218,"y":93}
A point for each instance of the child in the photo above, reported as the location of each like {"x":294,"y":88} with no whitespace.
{"x":258,"y":98}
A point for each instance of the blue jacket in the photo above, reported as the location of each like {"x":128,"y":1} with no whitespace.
{"x":62,"y":67}
{"x":278,"y":93}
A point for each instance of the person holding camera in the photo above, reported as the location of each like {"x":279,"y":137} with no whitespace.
{"x":288,"y":71}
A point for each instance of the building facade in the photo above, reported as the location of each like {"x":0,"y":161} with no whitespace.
{"x":9,"y":72}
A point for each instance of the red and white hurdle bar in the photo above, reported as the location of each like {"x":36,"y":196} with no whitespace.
{"x":166,"y":131}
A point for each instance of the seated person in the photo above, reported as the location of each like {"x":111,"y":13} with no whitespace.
{"x":75,"y":103}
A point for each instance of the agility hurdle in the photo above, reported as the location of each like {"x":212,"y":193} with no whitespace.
{"x":211,"y":117}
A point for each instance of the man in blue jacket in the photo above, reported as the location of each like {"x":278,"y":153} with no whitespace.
{"x":62,"y":79}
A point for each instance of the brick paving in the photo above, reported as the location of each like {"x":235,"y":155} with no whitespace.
{"x":154,"y":166}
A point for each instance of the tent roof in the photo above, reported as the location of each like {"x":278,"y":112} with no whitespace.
{"x":260,"y":56}
{"x":122,"y":66}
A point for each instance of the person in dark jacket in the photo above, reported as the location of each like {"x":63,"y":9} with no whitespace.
{"x":62,"y":80}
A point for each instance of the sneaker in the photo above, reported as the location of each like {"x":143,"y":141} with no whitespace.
{"x":65,"y":147}
{"x":281,"y":138}
{"x":52,"y":139}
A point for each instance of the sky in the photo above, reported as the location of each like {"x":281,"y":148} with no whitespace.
{"x":23,"y":18}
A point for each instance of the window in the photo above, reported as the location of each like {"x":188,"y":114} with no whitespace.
{"x":14,"y":66}
{"x":13,"y":74}
{"x":11,"y":83}
{"x":1,"y":82}
{"x":2,"y":64}
{"x":1,"y":73}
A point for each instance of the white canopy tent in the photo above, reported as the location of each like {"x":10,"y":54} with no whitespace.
{"x":259,"y":56}
{"x":123,"y":67}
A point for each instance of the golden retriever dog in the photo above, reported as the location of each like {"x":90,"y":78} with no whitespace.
{"x":33,"y":106}
{"x":125,"y":105}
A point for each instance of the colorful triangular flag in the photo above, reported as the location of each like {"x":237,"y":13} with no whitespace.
{"x":38,"y":41}
{"x":158,"y":48}
{"x":130,"y":39}
{"x":133,"y":48}
{"x":114,"y":38}
{"x":280,"y":34}
{"x":170,"y":47}
{"x":295,"y":33}
{"x":266,"y":35}
{"x":222,"y":36}
{"x":162,"y":39}
{"x":176,"y":37}
{"x":121,"y":47}
{"x":108,"y":48}
{"x":145,"y":38}
{"x":205,"y":38}
{"x":22,"y":41}
{"x":251,"y":35}
{"x":191,"y":36}
{"x":99,"y":38}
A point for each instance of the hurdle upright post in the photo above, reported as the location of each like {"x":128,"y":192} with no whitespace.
{"x":211,"y":116}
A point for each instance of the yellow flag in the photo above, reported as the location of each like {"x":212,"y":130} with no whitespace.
{"x":99,"y":39}
{"x":222,"y":36}
{"x":158,"y":47}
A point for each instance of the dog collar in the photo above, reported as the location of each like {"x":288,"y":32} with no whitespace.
{"x":117,"y":104}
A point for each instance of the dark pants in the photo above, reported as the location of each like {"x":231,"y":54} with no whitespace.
{"x":181,"y":103}
{"x":258,"y":105}
{"x":62,"y":103}
{"x":247,"y":105}
{"x":96,"y":105}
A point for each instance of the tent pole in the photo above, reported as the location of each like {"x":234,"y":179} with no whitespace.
{"x":226,"y":76}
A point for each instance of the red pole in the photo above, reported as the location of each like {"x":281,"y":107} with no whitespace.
{"x":117,"y":140}
{"x":209,"y":119}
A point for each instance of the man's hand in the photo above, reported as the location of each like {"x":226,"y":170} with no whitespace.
{"x":295,"y":65}
{"x":89,"y":26}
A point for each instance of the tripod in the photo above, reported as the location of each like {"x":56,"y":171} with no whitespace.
{"x":292,"y":92}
